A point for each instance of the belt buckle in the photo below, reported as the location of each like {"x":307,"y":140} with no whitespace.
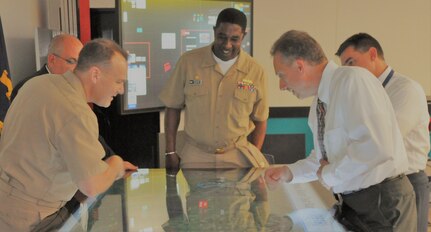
{"x":393,"y":178}
{"x":219,"y":151}
{"x":339,"y":198}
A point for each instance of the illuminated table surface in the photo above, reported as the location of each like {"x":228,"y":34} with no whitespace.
{"x":205,"y":200}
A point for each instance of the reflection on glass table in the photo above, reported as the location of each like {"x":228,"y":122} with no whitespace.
{"x":205,"y":200}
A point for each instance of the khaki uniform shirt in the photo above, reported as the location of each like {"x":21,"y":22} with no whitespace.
{"x":219,"y":109}
{"x":50,"y":139}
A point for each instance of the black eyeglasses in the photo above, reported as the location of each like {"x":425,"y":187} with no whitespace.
{"x":69,"y":60}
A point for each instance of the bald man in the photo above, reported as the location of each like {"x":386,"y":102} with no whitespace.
{"x":63,"y":54}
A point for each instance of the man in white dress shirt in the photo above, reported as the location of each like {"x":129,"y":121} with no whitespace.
{"x":360,"y":155}
{"x":410,"y":106}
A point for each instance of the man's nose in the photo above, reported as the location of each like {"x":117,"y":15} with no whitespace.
{"x":228,"y":44}
{"x":282,"y":84}
{"x":121,"y":91}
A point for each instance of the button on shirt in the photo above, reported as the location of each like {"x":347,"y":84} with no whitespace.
{"x":411,"y":110}
{"x":362,"y":140}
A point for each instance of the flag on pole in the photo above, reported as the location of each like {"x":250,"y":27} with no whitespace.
{"x":5,"y":81}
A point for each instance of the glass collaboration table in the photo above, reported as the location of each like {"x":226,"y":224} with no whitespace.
{"x":205,"y":200}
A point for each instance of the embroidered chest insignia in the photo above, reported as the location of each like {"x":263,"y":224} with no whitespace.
{"x":246,"y":84}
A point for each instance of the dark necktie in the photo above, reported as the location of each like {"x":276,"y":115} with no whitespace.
{"x":388,"y":78}
{"x":321,"y":111}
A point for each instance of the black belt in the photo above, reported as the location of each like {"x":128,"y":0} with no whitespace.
{"x":389,"y":179}
{"x":72,"y":205}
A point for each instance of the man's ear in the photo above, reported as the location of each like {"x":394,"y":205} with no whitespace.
{"x":95,"y":74}
{"x":300,"y":64}
{"x":373,"y":53}
{"x":50,"y":59}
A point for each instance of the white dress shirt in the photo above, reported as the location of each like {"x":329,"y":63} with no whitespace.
{"x":362,"y":139}
{"x":411,"y":110}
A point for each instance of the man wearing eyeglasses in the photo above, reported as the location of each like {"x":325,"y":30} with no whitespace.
{"x":63,"y":53}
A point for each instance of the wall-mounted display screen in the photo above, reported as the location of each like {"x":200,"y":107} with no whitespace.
{"x":156,"y":32}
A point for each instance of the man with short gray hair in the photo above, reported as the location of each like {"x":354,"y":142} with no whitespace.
{"x":49,"y":146}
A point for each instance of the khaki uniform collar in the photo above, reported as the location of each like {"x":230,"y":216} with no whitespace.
{"x":76,"y":84}
{"x":239,"y":65}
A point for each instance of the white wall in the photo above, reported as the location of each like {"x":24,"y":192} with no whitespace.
{"x":19,"y":20}
{"x":402,"y":28}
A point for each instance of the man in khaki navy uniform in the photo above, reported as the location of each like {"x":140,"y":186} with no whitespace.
{"x":223,"y":92}
{"x":49,"y":147}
